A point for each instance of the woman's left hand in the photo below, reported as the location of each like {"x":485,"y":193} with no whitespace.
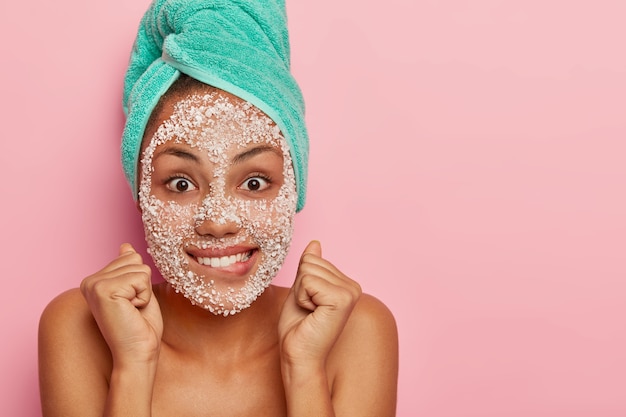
{"x":316,"y":310}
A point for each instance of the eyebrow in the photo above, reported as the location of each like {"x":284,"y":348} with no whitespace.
{"x":250,"y":153}
{"x":181,"y":153}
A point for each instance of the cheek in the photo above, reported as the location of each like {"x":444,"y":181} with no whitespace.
{"x":272,"y":220}
{"x":167,"y":219}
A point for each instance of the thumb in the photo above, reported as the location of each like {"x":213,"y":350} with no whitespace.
{"x":126,"y":248}
{"x":314,"y":247}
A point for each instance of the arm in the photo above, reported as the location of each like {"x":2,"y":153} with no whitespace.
{"x":338,"y":349}
{"x":74,"y":361}
{"x":98,"y":351}
{"x":363,"y":368}
{"x":364,"y":362}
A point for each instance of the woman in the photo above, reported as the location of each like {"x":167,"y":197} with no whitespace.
{"x":215,"y":149}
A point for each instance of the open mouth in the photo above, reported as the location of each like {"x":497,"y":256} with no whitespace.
{"x":225,"y":261}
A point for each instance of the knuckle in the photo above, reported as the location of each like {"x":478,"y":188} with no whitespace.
{"x":306,"y":280}
{"x":344,"y":297}
{"x":133,"y":258}
{"x":84,"y":285}
{"x":304,"y":269}
{"x":87,"y":284}
{"x":348,"y":296}
{"x":307,"y":257}
{"x":353,"y":286}
{"x":145,"y":271}
{"x":100,"y":287}
{"x":134,"y":273}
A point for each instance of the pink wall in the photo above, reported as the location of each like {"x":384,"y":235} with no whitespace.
{"x":467,"y":167}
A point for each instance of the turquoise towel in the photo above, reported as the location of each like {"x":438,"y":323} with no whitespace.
{"x":240,"y":46}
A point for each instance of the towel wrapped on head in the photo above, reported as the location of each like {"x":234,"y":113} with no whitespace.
{"x":239,"y":46}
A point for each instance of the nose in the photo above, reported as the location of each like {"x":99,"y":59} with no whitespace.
{"x":208,"y":227}
{"x":217,"y":217}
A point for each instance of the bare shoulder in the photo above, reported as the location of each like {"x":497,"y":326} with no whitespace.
{"x":67,"y":315}
{"x":371,"y":327}
{"x":68,"y":301}
{"x":74,"y":360}
{"x":363,"y":365}
{"x":372,"y":314}
{"x":67,"y":325}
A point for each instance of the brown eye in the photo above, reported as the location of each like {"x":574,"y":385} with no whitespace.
{"x":255,"y":184}
{"x":180,"y":185}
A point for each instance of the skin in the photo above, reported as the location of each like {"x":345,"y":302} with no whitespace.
{"x":120,"y":346}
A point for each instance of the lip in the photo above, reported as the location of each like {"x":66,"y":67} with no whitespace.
{"x":238,"y":260}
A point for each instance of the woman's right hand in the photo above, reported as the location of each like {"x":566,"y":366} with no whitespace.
{"x":127,"y":312}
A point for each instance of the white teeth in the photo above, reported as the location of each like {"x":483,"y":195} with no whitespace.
{"x":224,"y":261}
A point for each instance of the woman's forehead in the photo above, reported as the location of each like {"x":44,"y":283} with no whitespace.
{"x":215,"y":120}
{"x":233,"y":155}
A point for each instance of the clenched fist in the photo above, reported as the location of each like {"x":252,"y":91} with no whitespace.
{"x":316,"y":309}
{"x":127,"y":312}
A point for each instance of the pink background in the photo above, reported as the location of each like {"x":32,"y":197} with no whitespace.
{"x":467,"y":167}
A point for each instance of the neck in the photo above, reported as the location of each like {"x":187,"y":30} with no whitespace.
{"x":196,"y":331}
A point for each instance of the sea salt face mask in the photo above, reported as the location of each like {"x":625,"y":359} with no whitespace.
{"x":219,"y":127}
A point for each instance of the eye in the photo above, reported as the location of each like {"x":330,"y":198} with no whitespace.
{"x":256,"y":183}
{"x":180,"y":185}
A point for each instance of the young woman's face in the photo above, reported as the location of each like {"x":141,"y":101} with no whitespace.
{"x":218,"y":197}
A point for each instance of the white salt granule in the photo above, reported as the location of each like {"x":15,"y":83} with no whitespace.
{"x":214,"y":124}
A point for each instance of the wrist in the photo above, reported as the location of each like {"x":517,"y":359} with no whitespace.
{"x":127,"y":371}
{"x":135,"y":365}
{"x":300,"y":372}
{"x":307,"y":390}
{"x":130,"y":390}
{"x":135,"y":359}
